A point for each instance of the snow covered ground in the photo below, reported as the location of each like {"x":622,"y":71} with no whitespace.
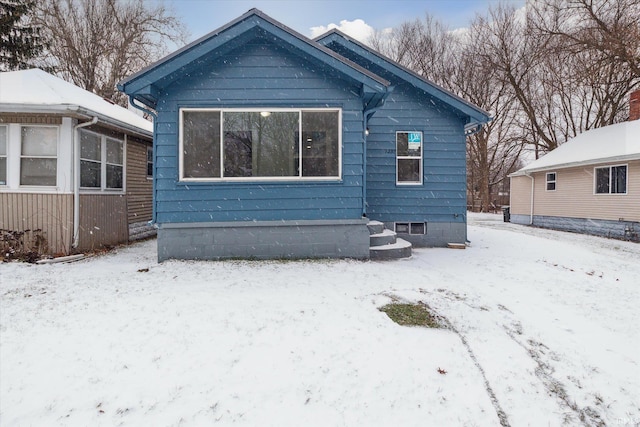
{"x":544,"y":332}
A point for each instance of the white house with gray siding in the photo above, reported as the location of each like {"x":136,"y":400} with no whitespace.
{"x":590,"y":184}
{"x":75,"y":169}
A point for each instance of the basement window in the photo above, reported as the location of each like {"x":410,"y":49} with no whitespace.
{"x":411,"y":227}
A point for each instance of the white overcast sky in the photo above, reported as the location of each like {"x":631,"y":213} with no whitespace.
{"x":312,"y":17}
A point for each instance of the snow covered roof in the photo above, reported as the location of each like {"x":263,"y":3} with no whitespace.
{"x":614,"y":143}
{"x":35,"y":90}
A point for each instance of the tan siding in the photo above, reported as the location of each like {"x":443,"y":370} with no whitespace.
{"x":574,"y":196}
{"x":103,"y":221}
{"x":51,"y":213}
{"x":520,"y":203}
{"x":139,"y":188}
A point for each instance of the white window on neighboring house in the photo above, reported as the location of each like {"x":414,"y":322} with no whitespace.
{"x":551,"y":181}
{"x":101,"y":162}
{"x":409,"y":158}
{"x":90,"y":160}
{"x":3,"y":155}
{"x":611,"y":180}
{"x":115,"y":163}
{"x":39,"y":156}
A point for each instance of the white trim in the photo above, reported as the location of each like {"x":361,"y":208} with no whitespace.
{"x":547,"y":181}
{"x":420,"y":158}
{"x":103,"y":164}
{"x":595,"y":180}
{"x":57,"y":156}
{"x":299,"y":178}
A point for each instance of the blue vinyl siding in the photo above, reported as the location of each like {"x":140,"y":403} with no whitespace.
{"x":258,"y":74}
{"x":441,"y":197}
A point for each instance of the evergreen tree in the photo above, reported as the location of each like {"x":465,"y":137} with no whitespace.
{"x":19,"y":41}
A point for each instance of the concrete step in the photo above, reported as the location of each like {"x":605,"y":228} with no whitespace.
{"x":375,"y":227}
{"x":400,"y":249}
{"x":387,"y":237}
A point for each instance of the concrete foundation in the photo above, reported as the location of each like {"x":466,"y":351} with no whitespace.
{"x":596,"y":227}
{"x":437,"y":234}
{"x":264,"y":240}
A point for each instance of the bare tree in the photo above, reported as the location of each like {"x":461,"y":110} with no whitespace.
{"x":96,"y":43}
{"x":610,"y":27}
{"x":449,"y":59}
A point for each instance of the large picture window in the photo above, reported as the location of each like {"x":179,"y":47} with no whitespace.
{"x":39,"y":155}
{"x":409,"y":158}
{"x":101,"y":161}
{"x":3,"y":155}
{"x":269,"y":144}
{"x":611,"y":180}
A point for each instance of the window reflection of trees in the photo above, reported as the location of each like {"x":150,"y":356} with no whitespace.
{"x":261,"y":144}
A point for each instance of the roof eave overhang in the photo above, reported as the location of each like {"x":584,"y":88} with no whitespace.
{"x":142,"y":85}
{"x":78,"y":112}
{"x":590,"y":162}
{"x":477,"y":116}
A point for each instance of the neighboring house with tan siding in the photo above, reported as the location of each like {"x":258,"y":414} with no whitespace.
{"x":590,"y":184}
{"x":75,"y":169}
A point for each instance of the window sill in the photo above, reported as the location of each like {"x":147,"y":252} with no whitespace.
{"x":254,"y":181}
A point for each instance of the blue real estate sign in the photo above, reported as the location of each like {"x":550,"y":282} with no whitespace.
{"x":415,"y":140}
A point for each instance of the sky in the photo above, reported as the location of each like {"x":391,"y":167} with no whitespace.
{"x":311,"y":18}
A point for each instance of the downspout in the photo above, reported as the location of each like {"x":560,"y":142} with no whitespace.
{"x":153,"y":140}
{"x":367,"y":114}
{"x":76,"y":179}
{"x":532,"y":190}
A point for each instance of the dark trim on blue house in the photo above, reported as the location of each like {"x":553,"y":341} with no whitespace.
{"x":477,"y":116}
{"x":145,"y":85}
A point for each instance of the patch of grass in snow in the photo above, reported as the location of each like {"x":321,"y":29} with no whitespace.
{"x":410,"y":314}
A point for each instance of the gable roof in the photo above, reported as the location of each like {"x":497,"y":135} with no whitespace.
{"x":35,"y":90}
{"x":335,"y":37}
{"x":613,"y":143}
{"x":144,"y":85}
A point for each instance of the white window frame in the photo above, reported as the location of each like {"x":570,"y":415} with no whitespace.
{"x":420,"y":158}
{"x":5,"y":156}
{"x":553,"y":181}
{"x":103,"y":165}
{"x":22,"y":156}
{"x":298,"y":178}
{"x":410,"y":226}
{"x":610,"y":167}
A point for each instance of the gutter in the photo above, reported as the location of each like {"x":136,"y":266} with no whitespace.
{"x":76,"y":180}
{"x":472,"y":128}
{"x":76,"y":111}
{"x":367,"y":115}
{"x":154,"y":214}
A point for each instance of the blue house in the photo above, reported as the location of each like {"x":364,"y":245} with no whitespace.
{"x":272,"y":145}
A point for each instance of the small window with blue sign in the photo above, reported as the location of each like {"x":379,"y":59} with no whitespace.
{"x":409,"y":158}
